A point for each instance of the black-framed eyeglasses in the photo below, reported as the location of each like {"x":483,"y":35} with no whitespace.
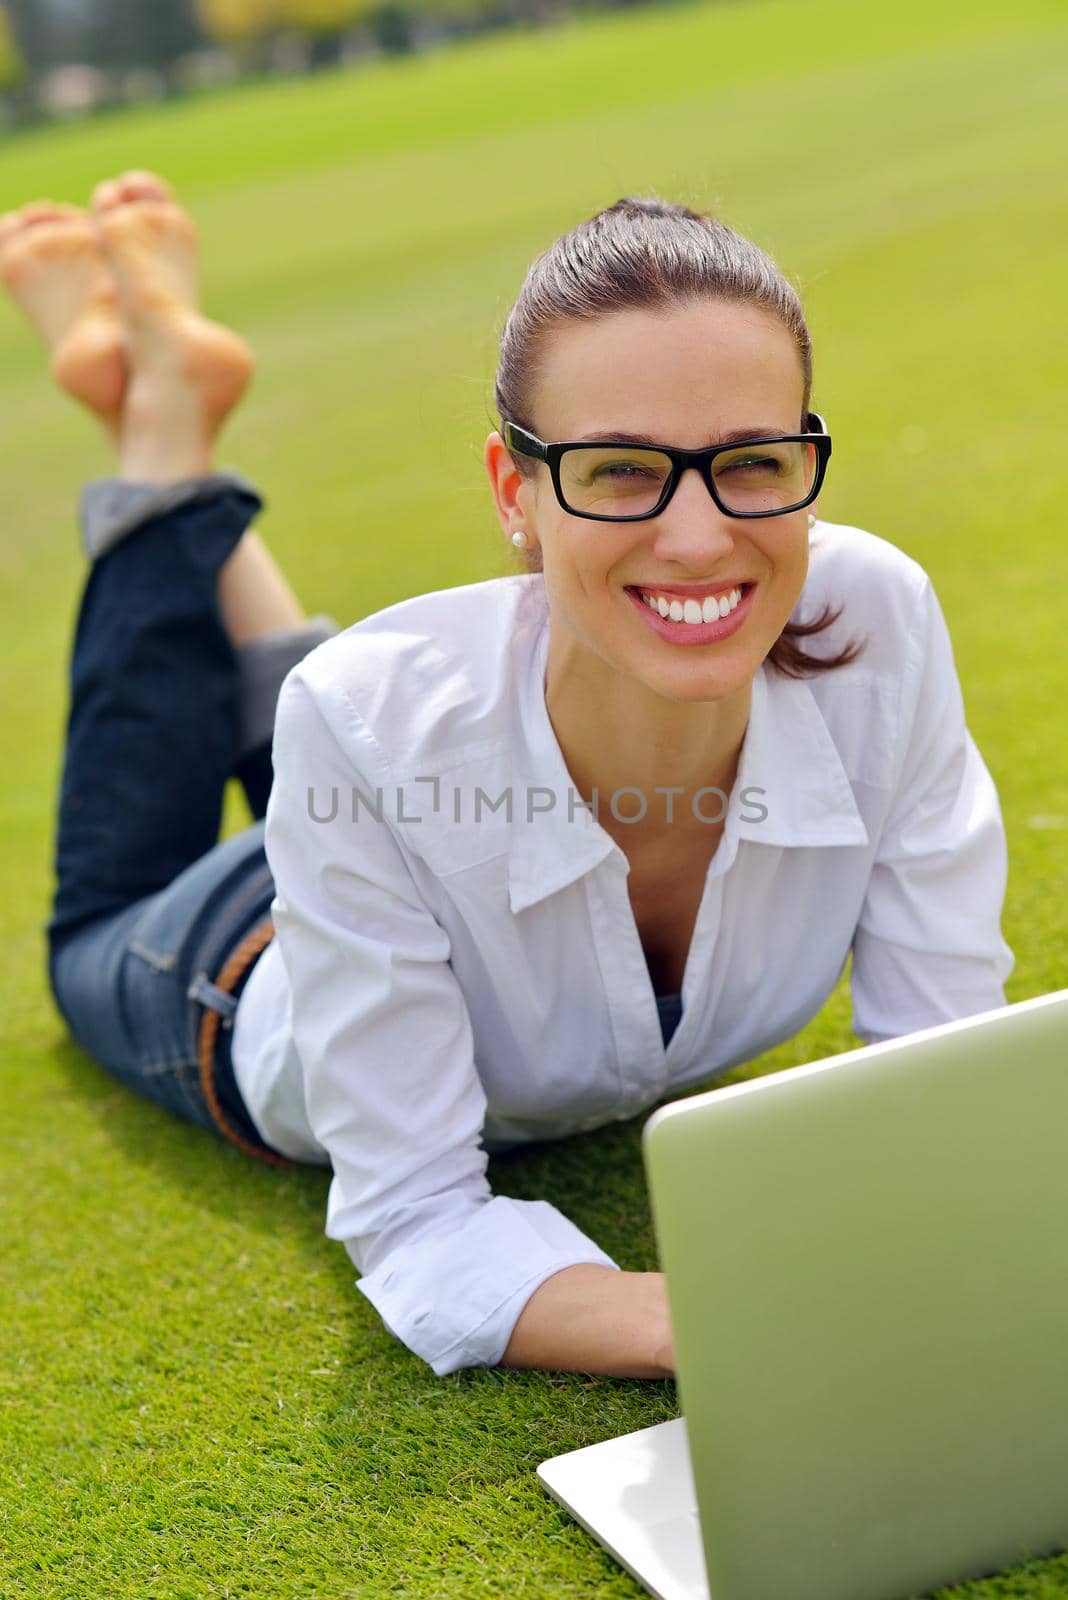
{"x":614,"y":481}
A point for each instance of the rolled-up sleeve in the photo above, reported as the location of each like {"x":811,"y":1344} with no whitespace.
{"x":384,"y":1039}
{"x":928,"y":947}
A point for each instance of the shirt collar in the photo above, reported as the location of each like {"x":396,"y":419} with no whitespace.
{"x":791,"y":789}
{"x":553,"y":838}
{"x":791,"y":769}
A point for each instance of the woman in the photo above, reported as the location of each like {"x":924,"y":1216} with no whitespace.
{"x":542,"y":851}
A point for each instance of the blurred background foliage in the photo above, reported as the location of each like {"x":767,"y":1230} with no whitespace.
{"x":10,"y":60}
{"x":68,"y":58}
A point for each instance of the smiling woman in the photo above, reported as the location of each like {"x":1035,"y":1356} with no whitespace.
{"x":610,"y":825}
{"x":660,"y":259}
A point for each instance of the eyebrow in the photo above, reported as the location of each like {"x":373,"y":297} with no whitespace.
{"x":759,"y":430}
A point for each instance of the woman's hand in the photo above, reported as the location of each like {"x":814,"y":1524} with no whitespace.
{"x":594,"y":1319}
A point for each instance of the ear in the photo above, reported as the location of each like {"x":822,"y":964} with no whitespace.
{"x":513,"y":495}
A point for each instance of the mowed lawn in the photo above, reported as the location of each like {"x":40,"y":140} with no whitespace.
{"x":194,"y":1400}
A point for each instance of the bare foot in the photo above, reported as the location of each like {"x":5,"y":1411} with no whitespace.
{"x":186,"y":374}
{"x":50,"y":260}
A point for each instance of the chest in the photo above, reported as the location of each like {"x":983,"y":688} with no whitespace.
{"x":558,"y":992}
{"x":665,"y":886}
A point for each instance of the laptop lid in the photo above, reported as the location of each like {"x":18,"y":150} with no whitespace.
{"x":867,"y":1265}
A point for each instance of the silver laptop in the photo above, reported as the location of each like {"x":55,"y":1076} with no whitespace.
{"x":867,"y":1264}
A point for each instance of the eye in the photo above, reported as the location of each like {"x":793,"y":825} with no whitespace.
{"x":622,"y":471}
{"x":767,"y":466}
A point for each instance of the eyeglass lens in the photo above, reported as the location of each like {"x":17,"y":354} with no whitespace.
{"x":624,"y":481}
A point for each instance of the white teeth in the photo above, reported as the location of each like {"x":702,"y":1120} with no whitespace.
{"x":691,"y":610}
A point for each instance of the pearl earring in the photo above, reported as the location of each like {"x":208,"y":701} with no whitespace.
{"x":811,"y":519}
{"x":519,"y":539}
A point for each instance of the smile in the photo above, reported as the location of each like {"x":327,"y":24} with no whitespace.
{"x":692,"y":609}
{"x":694,"y":617}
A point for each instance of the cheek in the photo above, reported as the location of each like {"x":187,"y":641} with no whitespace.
{"x":788,"y":560}
{"x":580,"y":584}
{"x":793,"y":555}
{"x":801,"y":562}
{"x":560,"y":568}
{"x":577,"y":558}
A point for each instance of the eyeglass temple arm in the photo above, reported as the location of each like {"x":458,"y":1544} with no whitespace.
{"x":527,"y":445}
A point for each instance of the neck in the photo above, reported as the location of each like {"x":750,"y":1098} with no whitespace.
{"x":616,"y":733}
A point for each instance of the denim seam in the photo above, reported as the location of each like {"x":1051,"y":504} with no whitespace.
{"x":154,"y":959}
{"x":155,"y":1068}
{"x":166,"y":962}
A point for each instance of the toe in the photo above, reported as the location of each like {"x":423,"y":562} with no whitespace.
{"x":140,"y":185}
{"x":26,"y":252}
{"x":155,"y":223}
{"x":106,"y":196}
{"x":40,"y":211}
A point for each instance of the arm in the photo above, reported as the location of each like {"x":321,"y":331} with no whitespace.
{"x":928,"y":945}
{"x":392,"y":1093}
{"x":590,"y":1319}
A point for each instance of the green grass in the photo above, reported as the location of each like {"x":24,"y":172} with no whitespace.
{"x":194,"y":1402}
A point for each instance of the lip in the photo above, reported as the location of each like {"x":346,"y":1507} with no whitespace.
{"x":720,"y":586}
{"x":694,"y":633}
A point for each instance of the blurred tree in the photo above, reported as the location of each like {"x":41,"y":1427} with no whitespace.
{"x":36,"y":32}
{"x":131,"y":33}
{"x":11,"y":68}
{"x":232,"y":21}
{"x":325,"y":22}
{"x":392,"y":25}
{"x":322,"y":16}
{"x":103,"y":33}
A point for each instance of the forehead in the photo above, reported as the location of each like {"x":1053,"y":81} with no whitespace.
{"x":683,"y":375}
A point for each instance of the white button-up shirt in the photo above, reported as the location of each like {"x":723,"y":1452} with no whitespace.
{"x":457,"y":966}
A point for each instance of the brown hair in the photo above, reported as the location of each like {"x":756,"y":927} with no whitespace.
{"x":651,"y":254}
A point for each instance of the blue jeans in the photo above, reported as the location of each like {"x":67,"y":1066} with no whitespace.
{"x":148,"y":906}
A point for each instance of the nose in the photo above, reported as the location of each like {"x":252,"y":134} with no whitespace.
{"x":692,"y":531}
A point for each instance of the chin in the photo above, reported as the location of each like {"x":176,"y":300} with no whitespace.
{"x":696,"y":686}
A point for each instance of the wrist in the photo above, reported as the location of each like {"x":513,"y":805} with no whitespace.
{"x":662,"y":1352}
